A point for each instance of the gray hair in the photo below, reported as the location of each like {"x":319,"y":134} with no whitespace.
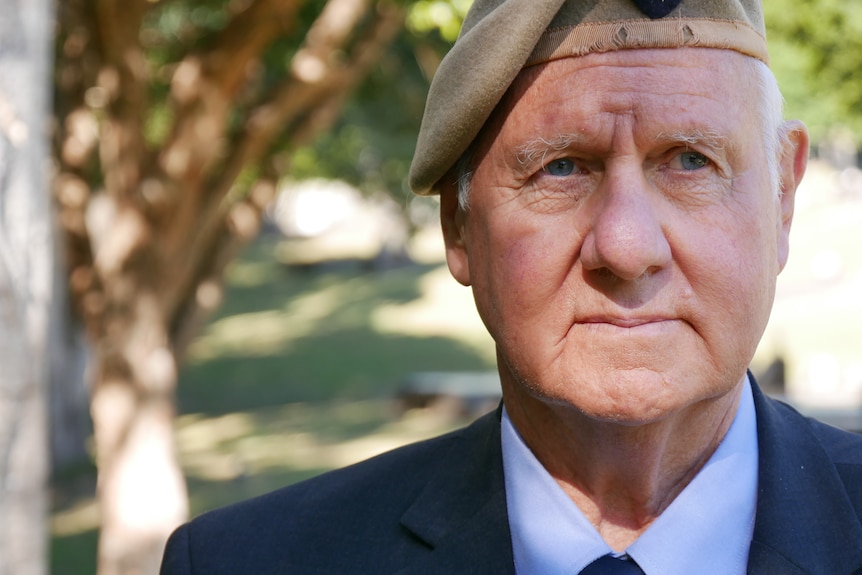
{"x":464,"y":174}
{"x":770,"y":114}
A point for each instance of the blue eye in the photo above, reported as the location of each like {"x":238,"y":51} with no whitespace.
{"x":561,"y":167}
{"x":693,"y":160}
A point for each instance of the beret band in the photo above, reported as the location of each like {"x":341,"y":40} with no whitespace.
{"x":583,"y":39}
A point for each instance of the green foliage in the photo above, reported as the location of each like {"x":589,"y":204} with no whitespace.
{"x":158,"y":125}
{"x":372,"y":144}
{"x":173,"y":29}
{"x":443,"y":15}
{"x":816,"y":46}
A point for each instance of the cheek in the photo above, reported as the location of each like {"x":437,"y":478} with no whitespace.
{"x":522,"y":266}
{"x":534,"y":263}
{"x":731,"y":274}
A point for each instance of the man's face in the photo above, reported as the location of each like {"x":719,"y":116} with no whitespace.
{"x":623,"y":237}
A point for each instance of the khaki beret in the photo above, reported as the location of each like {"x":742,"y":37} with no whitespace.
{"x":501,"y":37}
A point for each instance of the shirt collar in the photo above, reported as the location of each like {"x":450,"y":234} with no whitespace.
{"x":706,"y":529}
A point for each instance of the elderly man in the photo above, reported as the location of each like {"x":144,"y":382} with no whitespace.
{"x":617,"y":186}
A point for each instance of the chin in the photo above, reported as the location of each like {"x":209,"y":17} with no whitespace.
{"x":628,"y":396}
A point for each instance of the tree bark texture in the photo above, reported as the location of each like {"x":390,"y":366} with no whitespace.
{"x":26,"y":267}
{"x":150,"y":227}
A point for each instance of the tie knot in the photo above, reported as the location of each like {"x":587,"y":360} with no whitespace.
{"x":610,"y":565}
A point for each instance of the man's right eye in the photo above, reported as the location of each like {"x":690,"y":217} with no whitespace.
{"x":560,"y":167}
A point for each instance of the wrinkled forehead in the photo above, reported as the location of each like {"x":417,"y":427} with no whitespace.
{"x":734,"y":75}
{"x":694,"y":90}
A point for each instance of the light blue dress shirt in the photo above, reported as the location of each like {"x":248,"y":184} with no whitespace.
{"x":706,"y":530}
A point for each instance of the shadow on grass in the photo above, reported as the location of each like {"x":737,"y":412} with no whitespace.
{"x":286,"y":336}
{"x":258,"y":281}
{"x":74,"y":553}
{"x":351,"y":364}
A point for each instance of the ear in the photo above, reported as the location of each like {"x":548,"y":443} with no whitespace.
{"x":792,"y":163}
{"x":452,"y":221}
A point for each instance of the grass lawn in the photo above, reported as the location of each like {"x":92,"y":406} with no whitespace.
{"x":296,"y":375}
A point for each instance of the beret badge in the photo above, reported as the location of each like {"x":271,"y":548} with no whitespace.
{"x":656,"y":8}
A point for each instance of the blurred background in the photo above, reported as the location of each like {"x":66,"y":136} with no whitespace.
{"x":215,"y":282}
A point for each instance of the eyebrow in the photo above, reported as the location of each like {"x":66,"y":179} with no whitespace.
{"x":538,"y":148}
{"x":708,"y":137}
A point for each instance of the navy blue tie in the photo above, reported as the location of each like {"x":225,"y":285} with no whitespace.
{"x":610,"y":565}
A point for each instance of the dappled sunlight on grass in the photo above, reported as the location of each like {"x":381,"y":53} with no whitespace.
{"x":317,"y":304}
{"x":258,"y":333}
{"x":338,"y":332}
{"x":207,"y":443}
{"x":444,"y":308}
{"x":82,"y":516}
{"x":244,"y":273}
{"x":266,"y":332}
{"x":240,"y":455}
{"x":298,"y":436}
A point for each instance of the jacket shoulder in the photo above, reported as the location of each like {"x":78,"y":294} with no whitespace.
{"x":843,"y":447}
{"x":845,"y":450}
{"x":809,"y":507}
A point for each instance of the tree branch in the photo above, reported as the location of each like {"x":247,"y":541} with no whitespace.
{"x":315,"y":79}
{"x":203,"y":87}
{"x":123,"y":84}
{"x":245,"y":38}
{"x":367,"y":52}
{"x":308,"y":107}
{"x":227,"y":237}
{"x":119,"y":22}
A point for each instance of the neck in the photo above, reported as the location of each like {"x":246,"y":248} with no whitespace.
{"x":621,"y":476}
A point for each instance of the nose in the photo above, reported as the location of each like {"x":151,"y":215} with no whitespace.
{"x":626,"y":238}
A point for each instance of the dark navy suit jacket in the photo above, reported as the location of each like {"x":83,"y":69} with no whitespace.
{"x":439,"y":507}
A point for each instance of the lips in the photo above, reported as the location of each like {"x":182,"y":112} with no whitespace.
{"x":627,"y":321}
{"x":630,"y":322}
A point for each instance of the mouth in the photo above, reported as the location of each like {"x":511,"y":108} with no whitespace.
{"x":629,"y":322}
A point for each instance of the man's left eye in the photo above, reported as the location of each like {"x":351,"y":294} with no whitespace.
{"x":692,"y":161}
{"x":560,"y":167}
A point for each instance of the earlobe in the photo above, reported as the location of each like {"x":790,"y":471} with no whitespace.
{"x":793,"y":161}
{"x":452,"y":223}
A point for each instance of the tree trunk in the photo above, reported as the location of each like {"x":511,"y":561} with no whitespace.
{"x":151,"y":225}
{"x":26,"y":266}
{"x":141,"y":488}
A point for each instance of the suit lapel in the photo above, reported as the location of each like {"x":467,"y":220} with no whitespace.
{"x":461,"y":514}
{"x":805,"y":521}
